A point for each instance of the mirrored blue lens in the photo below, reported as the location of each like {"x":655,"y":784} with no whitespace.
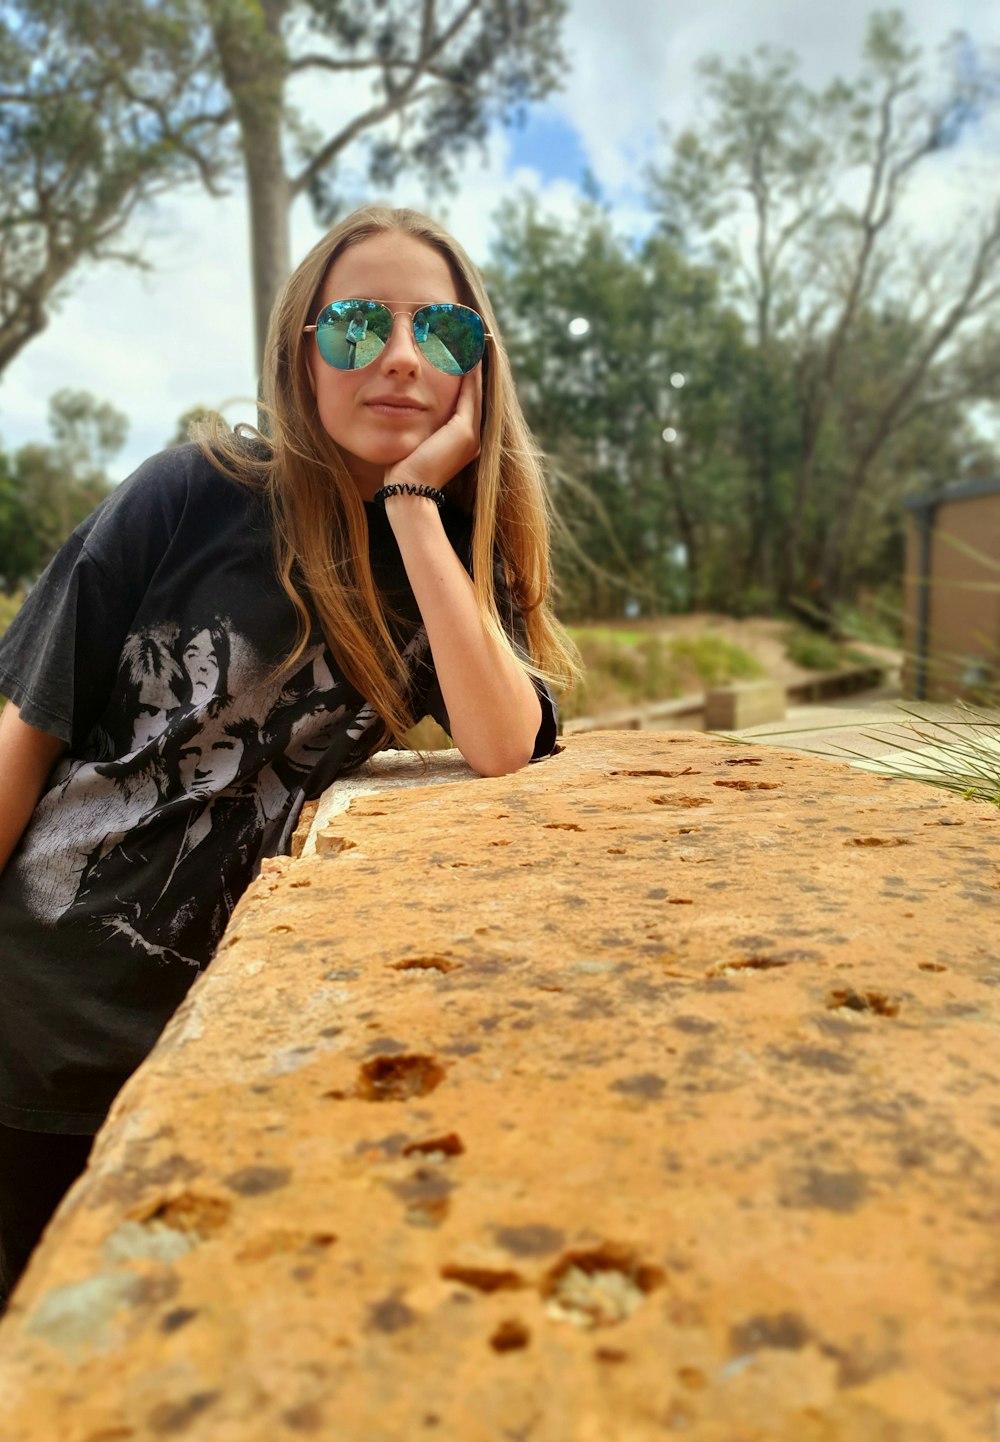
{"x":351,"y":334}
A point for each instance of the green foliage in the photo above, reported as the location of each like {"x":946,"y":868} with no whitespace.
{"x":623,"y":669}
{"x":812,"y":651}
{"x":104,"y":106}
{"x":190,"y":418}
{"x":47,"y":490}
{"x":635,"y":520}
{"x":716,"y":659}
{"x":958,"y":753}
{"x":875,"y":616}
{"x":862,"y":369}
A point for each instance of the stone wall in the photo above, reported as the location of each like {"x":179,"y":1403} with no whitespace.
{"x":652,"y":1091}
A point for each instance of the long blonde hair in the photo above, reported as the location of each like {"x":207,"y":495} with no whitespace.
{"x":321,"y":537}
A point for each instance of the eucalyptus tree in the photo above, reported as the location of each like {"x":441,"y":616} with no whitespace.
{"x":90,"y":130}
{"x":117,"y":101}
{"x":798,"y":197}
{"x":631,"y":375}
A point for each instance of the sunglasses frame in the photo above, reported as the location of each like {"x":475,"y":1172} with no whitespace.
{"x":418,"y":306}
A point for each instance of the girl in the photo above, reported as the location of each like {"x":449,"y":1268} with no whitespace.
{"x":244,"y":620}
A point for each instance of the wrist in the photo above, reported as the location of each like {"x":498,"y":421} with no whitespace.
{"x":406,"y":491}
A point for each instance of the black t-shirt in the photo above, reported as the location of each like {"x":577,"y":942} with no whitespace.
{"x":150,"y":646}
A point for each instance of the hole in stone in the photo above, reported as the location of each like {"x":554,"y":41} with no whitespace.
{"x":599,"y":1287}
{"x":482,"y":1279}
{"x":280,"y":928}
{"x":654,"y":771}
{"x":561,"y":826}
{"x":694,"y":1377}
{"x":877,"y":841}
{"x":426,"y":963}
{"x":509,"y":1336}
{"x":746,"y":963}
{"x":742,"y":785}
{"x":396,"y":1078}
{"x":875,"y":1001}
{"x":449,"y":1146}
{"x":187,"y":1212}
{"x":428,"y":1212}
{"x":301,"y":881}
{"x":744,"y":761}
{"x":610,"y":1354}
{"x":680,"y":801}
{"x":931,"y":966}
{"x":179,"y":1317}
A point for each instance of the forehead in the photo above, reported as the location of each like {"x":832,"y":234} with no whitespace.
{"x":392,"y":267}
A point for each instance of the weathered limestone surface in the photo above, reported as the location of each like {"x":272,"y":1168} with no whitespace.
{"x":652,"y":1091}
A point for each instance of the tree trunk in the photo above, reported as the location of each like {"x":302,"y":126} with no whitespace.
{"x":254,"y":64}
{"x":685,"y":527}
{"x":268,"y":200}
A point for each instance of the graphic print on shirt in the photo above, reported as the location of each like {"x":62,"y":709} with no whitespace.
{"x":155,"y":838}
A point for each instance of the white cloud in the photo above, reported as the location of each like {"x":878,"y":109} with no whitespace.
{"x":157,"y":344}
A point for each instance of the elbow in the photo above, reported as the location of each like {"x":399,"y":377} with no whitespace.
{"x":502,"y":759}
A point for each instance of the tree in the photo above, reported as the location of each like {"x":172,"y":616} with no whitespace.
{"x":613,"y":347}
{"x":207,"y":81}
{"x":796,"y":197}
{"x":47,"y":490}
{"x":94,"y":123}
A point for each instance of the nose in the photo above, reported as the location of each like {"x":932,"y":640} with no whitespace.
{"x":400,"y":354}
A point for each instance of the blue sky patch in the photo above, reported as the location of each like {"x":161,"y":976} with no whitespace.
{"x":548,"y":144}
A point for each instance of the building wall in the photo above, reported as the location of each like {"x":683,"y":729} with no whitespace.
{"x":964,"y":621}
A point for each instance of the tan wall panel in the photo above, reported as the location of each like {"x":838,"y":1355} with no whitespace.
{"x":965,"y":597}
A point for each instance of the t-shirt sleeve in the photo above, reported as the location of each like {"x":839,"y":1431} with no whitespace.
{"x":59,"y":656}
{"x":514,"y":624}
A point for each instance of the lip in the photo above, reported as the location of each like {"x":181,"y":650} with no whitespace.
{"x":395,"y":405}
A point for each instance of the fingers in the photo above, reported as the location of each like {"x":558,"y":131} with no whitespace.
{"x":469,"y":407}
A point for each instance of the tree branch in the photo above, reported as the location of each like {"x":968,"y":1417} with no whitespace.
{"x":403,"y":96}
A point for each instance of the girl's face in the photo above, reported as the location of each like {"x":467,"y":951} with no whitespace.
{"x":380,"y":414}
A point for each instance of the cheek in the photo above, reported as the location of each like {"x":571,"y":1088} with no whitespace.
{"x":334,"y":397}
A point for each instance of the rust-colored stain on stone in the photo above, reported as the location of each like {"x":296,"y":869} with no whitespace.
{"x":621,"y":1099}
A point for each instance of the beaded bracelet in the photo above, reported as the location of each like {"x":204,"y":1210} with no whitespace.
{"x":398,"y":488}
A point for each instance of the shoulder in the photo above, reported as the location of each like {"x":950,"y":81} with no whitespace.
{"x":161,"y":494}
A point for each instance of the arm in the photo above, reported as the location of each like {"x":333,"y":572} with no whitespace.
{"x":492,"y":706}
{"x":27,"y":755}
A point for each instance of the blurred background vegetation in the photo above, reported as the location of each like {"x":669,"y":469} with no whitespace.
{"x":732,"y":420}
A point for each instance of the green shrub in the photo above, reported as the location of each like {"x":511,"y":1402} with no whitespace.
{"x":715,"y":659}
{"x":811,"y":651}
{"x":9,"y":607}
{"x":623,"y":669}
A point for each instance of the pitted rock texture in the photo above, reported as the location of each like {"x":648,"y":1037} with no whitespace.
{"x":652,"y":1091}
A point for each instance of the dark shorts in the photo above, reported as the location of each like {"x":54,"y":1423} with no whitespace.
{"x":37,"y":1169}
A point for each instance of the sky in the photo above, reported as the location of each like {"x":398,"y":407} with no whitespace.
{"x":157,"y":343}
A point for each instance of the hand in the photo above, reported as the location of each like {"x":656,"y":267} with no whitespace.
{"x":439,"y":458}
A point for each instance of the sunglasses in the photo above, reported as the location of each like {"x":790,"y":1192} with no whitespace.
{"x":351,"y":334}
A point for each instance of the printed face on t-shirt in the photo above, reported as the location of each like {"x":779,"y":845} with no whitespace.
{"x":202,"y":667}
{"x":156,"y":701}
{"x":210,"y":762}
